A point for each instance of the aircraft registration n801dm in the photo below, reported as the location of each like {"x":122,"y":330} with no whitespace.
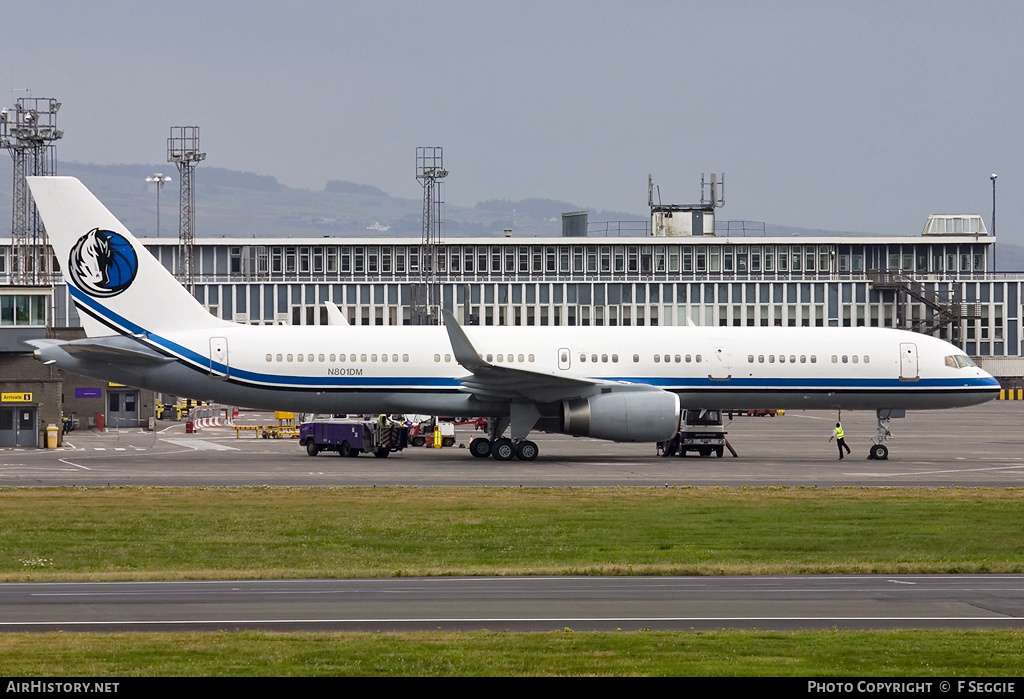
{"x":626,"y":384}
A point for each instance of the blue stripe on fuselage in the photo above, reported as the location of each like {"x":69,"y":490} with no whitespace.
{"x":676,"y":384}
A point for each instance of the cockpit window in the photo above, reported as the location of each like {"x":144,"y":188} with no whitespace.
{"x":959,"y":361}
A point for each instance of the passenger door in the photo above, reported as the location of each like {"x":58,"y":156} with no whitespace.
{"x":908,"y":362}
{"x":219,"y":357}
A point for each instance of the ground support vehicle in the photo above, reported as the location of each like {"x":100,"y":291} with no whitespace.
{"x":353,"y":437}
{"x":700,"y":430}
{"x":423,"y":434}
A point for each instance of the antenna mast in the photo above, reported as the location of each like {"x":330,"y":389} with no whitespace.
{"x":429,"y":171}
{"x":28,"y":131}
{"x":183,"y":151}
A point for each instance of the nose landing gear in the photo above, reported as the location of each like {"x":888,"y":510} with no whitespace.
{"x":878,"y":450}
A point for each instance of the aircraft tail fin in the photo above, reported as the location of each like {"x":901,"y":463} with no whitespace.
{"x":114,"y":281}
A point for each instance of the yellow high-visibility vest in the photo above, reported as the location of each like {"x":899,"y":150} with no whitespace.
{"x":839,"y":433}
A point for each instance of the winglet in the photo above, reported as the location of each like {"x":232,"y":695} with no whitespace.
{"x":334,"y":314}
{"x":465,"y":353}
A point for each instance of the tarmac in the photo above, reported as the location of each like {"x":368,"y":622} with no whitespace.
{"x":969,"y":447}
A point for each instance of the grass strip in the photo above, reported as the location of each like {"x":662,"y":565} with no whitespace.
{"x":494,"y":653}
{"x":181,"y":533}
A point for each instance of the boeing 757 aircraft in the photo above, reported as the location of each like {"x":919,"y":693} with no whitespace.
{"x":626,"y":384}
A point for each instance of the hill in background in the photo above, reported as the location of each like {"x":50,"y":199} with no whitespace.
{"x":233,"y":204}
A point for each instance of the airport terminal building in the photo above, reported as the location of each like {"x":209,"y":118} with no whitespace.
{"x":938,"y":282}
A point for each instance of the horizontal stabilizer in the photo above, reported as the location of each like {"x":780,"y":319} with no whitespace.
{"x":115,"y":349}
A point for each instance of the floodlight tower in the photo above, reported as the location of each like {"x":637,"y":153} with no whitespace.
{"x":28,"y":131}
{"x":429,"y":171}
{"x":183,"y":151}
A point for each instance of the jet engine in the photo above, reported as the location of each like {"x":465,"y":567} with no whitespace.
{"x":623,"y":416}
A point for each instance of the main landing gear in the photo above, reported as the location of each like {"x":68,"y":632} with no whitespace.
{"x":522,"y":419}
{"x":503,"y":449}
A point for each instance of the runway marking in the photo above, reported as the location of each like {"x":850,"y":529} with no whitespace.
{"x":72,"y":463}
{"x":198,"y":444}
{"x":870,"y":474}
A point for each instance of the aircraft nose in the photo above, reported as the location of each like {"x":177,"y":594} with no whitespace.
{"x":987,"y":378}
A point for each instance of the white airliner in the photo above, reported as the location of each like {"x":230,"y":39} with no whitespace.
{"x":623,"y":383}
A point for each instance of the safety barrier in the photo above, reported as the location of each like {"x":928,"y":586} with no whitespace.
{"x":1011,"y":394}
{"x":207,"y":416}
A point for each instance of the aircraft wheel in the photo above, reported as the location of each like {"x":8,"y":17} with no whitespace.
{"x":527,"y":450}
{"x":345,"y":449}
{"x":480,"y":447}
{"x":503,"y":449}
{"x":311,"y":448}
{"x":879,"y":452}
{"x":719,"y":452}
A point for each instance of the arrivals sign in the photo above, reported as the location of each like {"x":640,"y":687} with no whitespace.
{"x":15,"y":397}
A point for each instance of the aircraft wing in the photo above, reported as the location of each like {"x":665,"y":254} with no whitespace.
{"x":491,"y":382}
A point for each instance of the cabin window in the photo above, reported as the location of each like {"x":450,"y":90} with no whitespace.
{"x":657,"y":358}
{"x":280,"y":358}
{"x":760,"y":359}
{"x":636,"y":358}
{"x":583,"y":358}
{"x":301,"y":357}
{"x":321,"y":357}
{"x":270,"y":357}
{"x":678,"y":359}
{"x":289,"y":357}
{"x":750,"y":359}
{"x":615,"y":358}
{"x":835,"y":359}
{"x":844,"y":359}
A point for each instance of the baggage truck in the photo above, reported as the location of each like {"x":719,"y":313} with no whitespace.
{"x":353,"y":437}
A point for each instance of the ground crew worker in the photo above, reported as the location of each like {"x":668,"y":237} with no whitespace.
{"x":839,"y":436}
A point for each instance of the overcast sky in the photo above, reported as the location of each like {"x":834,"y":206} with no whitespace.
{"x":861,"y":116}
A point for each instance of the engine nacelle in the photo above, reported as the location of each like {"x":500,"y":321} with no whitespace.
{"x":623,"y":416}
